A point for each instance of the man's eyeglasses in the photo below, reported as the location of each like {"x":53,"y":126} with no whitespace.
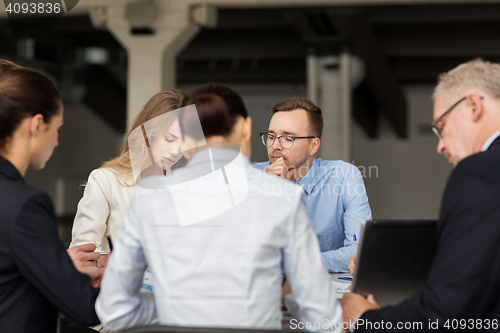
{"x":434,"y":124}
{"x":286,"y":141}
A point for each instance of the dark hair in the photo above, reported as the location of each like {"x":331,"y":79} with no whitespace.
{"x":7,"y":66}
{"x":25,"y":93}
{"x":218,"y":109}
{"x":313,"y":112}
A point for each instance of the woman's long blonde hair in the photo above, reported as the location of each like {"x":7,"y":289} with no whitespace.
{"x":161,"y":103}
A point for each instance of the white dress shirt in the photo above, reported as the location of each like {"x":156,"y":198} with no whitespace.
{"x":216,"y":235}
{"x":488,"y":142}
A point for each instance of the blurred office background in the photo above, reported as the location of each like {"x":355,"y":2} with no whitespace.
{"x":371,"y":65}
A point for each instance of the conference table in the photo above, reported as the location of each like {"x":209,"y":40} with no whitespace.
{"x":340,"y":286}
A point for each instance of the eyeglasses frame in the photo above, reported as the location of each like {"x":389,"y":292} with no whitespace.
{"x":434,"y":126}
{"x":283,"y":136}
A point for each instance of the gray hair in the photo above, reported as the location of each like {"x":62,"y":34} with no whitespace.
{"x":475,"y":73}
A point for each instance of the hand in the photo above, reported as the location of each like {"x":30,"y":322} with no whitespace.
{"x":285,"y":291}
{"x":353,"y":304}
{"x":352,"y":264}
{"x":84,"y":255}
{"x":95,"y":274}
{"x":103,"y":260}
{"x":279,"y":168}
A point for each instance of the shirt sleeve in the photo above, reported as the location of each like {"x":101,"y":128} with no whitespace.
{"x":93,"y":211}
{"x":120,"y":305}
{"x":309,"y":281}
{"x":261,"y":165}
{"x":356,"y":210}
{"x":43,"y":261}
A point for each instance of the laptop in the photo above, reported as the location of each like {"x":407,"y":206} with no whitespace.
{"x":394,"y":258}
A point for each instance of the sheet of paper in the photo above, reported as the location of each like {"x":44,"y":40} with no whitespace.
{"x":340,"y":286}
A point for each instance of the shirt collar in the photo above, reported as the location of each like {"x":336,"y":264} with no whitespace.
{"x":308,"y":181}
{"x":207,"y":161}
{"x":9,"y":170}
{"x":488,"y":142}
{"x":219,"y":157}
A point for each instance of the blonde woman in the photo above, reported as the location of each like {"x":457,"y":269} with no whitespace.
{"x":151,"y":147}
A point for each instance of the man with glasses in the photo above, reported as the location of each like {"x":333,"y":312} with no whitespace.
{"x":463,"y":289}
{"x":437,"y":127}
{"x":334,"y":192}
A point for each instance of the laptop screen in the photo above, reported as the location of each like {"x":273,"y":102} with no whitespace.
{"x":394,"y":258}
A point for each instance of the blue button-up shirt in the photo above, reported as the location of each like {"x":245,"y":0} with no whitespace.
{"x":336,"y":201}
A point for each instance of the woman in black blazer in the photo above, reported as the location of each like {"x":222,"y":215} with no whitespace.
{"x":37,"y":277}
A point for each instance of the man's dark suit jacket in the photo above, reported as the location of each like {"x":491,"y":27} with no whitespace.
{"x":37,"y":277}
{"x":464,"y":281}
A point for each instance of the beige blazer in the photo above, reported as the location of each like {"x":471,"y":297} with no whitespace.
{"x":101,"y":209}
